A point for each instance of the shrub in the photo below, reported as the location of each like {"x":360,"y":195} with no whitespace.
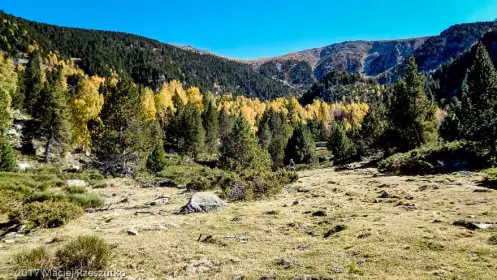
{"x":201,"y":183}
{"x":75,"y":189}
{"x":490,"y":180}
{"x":439,"y":158}
{"x":156,"y":161}
{"x":41,"y":196}
{"x":47,"y":214}
{"x":86,"y":200}
{"x":287,"y":177}
{"x":33,"y":259}
{"x":86,"y":253}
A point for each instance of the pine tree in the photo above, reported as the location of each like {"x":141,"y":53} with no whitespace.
{"x":478,"y":110}
{"x":193,"y":133}
{"x":301,"y":147}
{"x":412,"y":115}
{"x":123,"y":140}
{"x":7,"y":157}
{"x":156,"y":161}
{"x":175,"y":125}
{"x":340,"y":145}
{"x":53,"y":114}
{"x":240,"y":150}
{"x":318,"y":129}
{"x":211,"y":124}
{"x":33,"y":83}
{"x":374,"y":126}
{"x":274,"y":136}
{"x":226,"y":122}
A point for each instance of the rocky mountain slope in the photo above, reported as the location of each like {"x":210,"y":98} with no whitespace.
{"x":371,"y":58}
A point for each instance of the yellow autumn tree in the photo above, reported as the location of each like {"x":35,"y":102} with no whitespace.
{"x":85,"y":106}
{"x":148,"y":104}
{"x":194,"y":98}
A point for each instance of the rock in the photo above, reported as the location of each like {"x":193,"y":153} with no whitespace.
{"x":201,"y":266}
{"x":303,"y":190}
{"x":272,"y":212}
{"x":284,"y":263}
{"x":435,"y":186}
{"x":296,"y":202}
{"x":270,"y":276}
{"x":9,"y":241}
{"x":320,"y":213}
{"x":167,"y":183}
{"x":160,"y":200}
{"x":384,"y":194}
{"x":203,"y":202}
{"x":334,"y":230}
{"x":24,"y":166}
{"x":76,"y":183}
{"x":133,"y":232}
{"x":239,"y":277}
{"x":10,"y":235}
{"x":473,"y":225}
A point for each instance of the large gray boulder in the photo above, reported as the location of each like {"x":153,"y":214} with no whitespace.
{"x":203,"y":202}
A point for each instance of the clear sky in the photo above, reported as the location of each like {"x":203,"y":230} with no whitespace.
{"x":255,"y":28}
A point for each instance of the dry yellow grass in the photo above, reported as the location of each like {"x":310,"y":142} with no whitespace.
{"x":382,"y":240}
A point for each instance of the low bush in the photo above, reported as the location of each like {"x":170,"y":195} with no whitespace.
{"x":254,"y":185}
{"x":490,"y":180}
{"x":86,"y":200}
{"x":91,"y":253}
{"x":75,"y":189}
{"x":46,"y":214}
{"x":438,"y":158}
{"x":37,"y":258}
{"x":48,"y":195}
{"x":201,"y":183}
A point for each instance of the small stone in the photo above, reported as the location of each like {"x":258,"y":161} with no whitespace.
{"x":303,"y":190}
{"x":239,"y":277}
{"x":320,"y":213}
{"x":133,"y":232}
{"x":334,"y":230}
{"x":160,"y":200}
{"x":9,"y":241}
{"x":296,"y":202}
{"x":76,"y":183}
{"x":284,"y":262}
{"x":384,"y":194}
{"x":436,"y":186}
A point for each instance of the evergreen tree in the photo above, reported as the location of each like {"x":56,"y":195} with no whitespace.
{"x":274,"y":136}
{"x":226,"y":122}
{"x":340,"y":145}
{"x":478,"y":110}
{"x":374,"y":126}
{"x":450,"y":128}
{"x":7,"y":157}
{"x":318,"y":129}
{"x":156,"y":161}
{"x":412,"y":115}
{"x":175,"y":125}
{"x":33,"y":82}
{"x":53,"y":114}
{"x":301,"y":146}
{"x":193,"y":133}
{"x":240,"y":150}
{"x":123,"y":140}
{"x":211,"y":124}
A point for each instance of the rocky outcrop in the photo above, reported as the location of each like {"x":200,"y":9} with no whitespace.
{"x":203,"y":202}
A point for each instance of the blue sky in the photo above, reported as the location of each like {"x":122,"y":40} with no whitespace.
{"x":252,"y":29}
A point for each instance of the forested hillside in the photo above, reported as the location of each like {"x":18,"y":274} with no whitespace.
{"x":148,"y":62}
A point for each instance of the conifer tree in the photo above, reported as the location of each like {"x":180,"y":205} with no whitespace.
{"x":156,"y":161}
{"x":123,"y":141}
{"x":478,"y":110}
{"x":33,"y":82}
{"x":240,"y":150}
{"x":7,"y":157}
{"x":53,"y":114}
{"x":226,"y":122}
{"x":301,"y":146}
{"x":374,"y":126}
{"x":211,"y":124}
{"x":340,"y":145}
{"x":273,"y":136}
{"x":411,"y":113}
{"x":193,"y":133}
